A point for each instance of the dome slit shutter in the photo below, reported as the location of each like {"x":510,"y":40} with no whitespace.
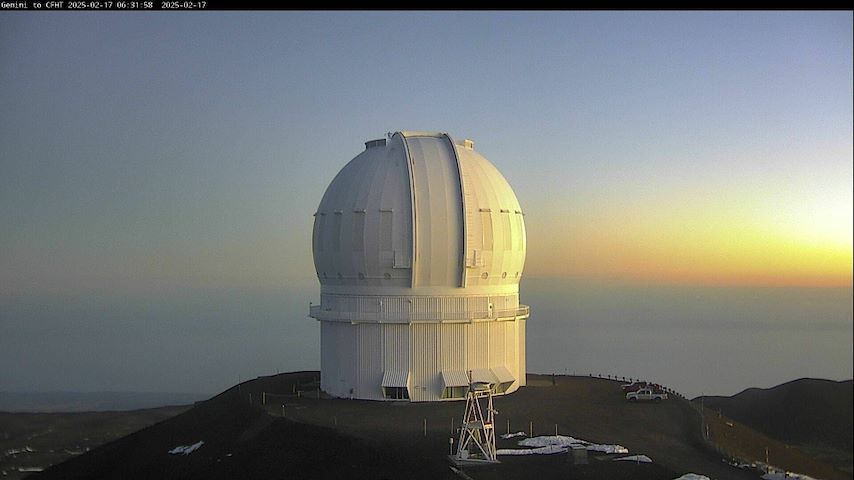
{"x":438,"y":211}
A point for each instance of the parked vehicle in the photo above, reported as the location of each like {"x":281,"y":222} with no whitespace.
{"x":646,"y":395}
{"x":634,"y":386}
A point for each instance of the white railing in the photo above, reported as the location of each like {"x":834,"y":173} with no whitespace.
{"x":319,"y":313}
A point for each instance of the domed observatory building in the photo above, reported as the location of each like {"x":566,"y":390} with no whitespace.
{"x":419,"y":244}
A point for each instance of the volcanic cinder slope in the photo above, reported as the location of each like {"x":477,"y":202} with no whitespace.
{"x":36,"y":439}
{"x":814,"y":414}
{"x":276,"y":427}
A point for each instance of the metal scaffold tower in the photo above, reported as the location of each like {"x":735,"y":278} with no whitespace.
{"x":477,"y":434}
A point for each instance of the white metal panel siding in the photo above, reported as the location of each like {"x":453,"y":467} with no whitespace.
{"x":477,"y":345}
{"x":453,"y":346}
{"x":357,"y":356}
{"x":511,"y":341}
{"x":438,"y":212}
{"x":348,"y":351}
{"x":338,"y":351}
{"x":511,"y":351}
{"x":370,"y":361}
{"x":328,"y":364}
{"x":496,"y":343}
{"x":523,"y":371}
{"x":425,"y":363}
{"x":395,"y":347}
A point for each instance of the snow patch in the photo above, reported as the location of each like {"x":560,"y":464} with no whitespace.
{"x":16,"y":451}
{"x":570,"y":442}
{"x":786,"y":476}
{"x":187,"y":449}
{"x":692,"y":476}
{"x":513,"y":435}
{"x":636,"y":458}
{"x":547,"y":450}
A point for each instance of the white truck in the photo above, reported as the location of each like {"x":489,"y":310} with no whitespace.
{"x":645,"y":395}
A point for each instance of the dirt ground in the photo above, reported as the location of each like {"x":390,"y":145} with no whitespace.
{"x":277,"y":427}
{"x":593,"y":409}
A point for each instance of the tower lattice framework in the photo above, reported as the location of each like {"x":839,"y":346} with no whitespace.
{"x":477,"y":435}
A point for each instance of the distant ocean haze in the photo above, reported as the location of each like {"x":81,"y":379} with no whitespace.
{"x":694,"y":339}
{"x":49,"y":402}
{"x":697,"y":340}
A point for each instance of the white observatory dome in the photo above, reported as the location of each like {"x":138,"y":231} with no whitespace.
{"x":468,"y":229}
{"x":419,"y":245}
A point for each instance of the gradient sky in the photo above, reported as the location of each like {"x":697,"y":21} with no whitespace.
{"x":191,"y":149}
{"x":152,"y":152}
